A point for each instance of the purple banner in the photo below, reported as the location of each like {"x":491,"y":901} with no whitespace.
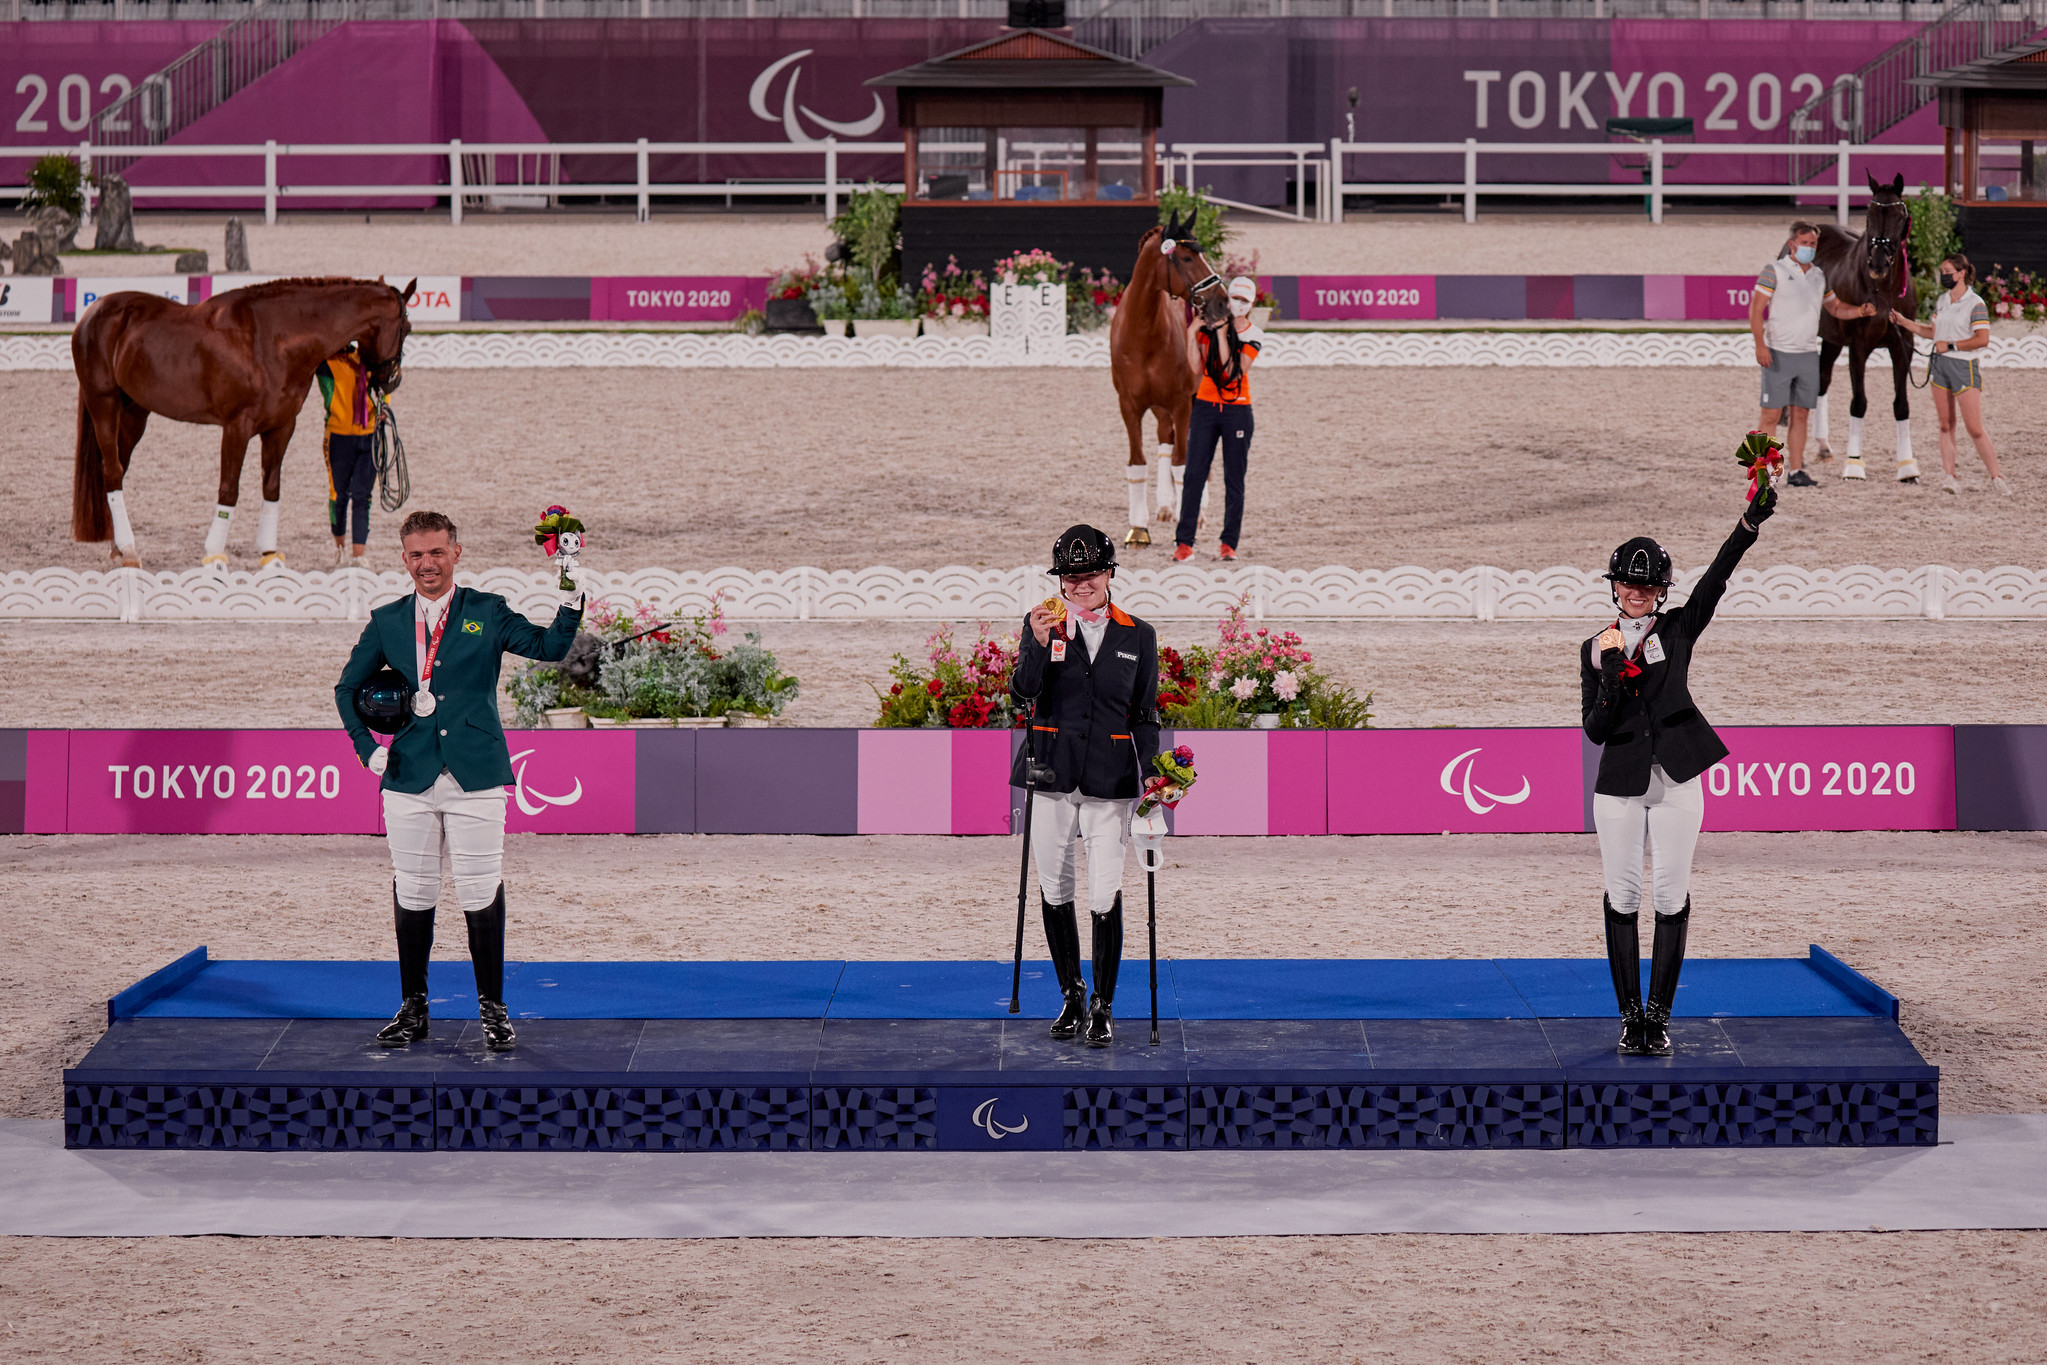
{"x":1834,"y":777}
{"x":676,"y":298}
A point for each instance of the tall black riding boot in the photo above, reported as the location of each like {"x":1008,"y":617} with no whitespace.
{"x":487,"y":955}
{"x":1624,"y":960}
{"x":415,"y":946}
{"x":1062,"y":937}
{"x":1108,"y":946}
{"x":1666,"y":960}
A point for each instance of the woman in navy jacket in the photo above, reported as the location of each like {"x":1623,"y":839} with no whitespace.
{"x":1654,"y":747}
{"x":1092,"y":671}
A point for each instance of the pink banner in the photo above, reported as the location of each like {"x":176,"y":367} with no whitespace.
{"x":675,"y":298}
{"x":1834,"y":777}
{"x":571,"y":782}
{"x":1455,"y":782}
{"x":57,"y":78}
{"x":218,"y":782}
{"x":1724,"y":298}
{"x":1354,"y":298}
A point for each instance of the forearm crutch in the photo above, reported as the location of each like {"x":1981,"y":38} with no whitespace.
{"x":1148,"y":832}
{"x":1023,"y":876}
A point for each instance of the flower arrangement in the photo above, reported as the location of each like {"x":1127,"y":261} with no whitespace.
{"x":1762,"y":454}
{"x":1091,"y":299}
{"x":2014,"y":296}
{"x":798,"y":283}
{"x":1032,"y":267}
{"x":963,"y":689}
{"x":560,"y":538}
{"x":953,"y":292}
{"x":630,"y":664}
{"x":1168,"y":786}
{"x":1253,"y":671}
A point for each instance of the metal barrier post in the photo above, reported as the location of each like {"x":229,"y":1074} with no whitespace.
{"x":1471,"y":180}
{"x":1841,"y":183}
{"x":1656,"y":180}
{"x":831,"y":178}
{"x":1300,"y":186}
{"x":640,"y":173}
{"x":455,"y":182}
{"x":1332,"y":183}
{"x":270,"y":183}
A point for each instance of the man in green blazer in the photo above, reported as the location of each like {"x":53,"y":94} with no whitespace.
{"x":446,"y":770}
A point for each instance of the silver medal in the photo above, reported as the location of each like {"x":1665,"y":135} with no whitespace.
{"x":423,"y":703}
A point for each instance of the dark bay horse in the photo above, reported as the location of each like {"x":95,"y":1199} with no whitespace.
{"x":1148,"y":359}
{"x":1870,"y":268}
{"x":241,"y":361}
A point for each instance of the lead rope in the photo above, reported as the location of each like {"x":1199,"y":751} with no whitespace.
{"x":387,"y":457}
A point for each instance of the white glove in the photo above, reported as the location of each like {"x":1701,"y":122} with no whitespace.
{"x":380,"y":759}
{"x":1148,"y":832}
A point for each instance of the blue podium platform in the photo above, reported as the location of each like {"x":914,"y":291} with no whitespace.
{"x":811,"y":1056}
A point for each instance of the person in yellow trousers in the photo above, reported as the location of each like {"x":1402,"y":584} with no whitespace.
{"x":348,"y":449}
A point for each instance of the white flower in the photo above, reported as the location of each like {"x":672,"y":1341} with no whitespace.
{"x":1286,"y":685}
{"x":1243,"y":689}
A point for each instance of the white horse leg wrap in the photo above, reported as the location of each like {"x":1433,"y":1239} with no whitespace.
{"x":124,"y":534}
{"x":1854,"y":438}
{"x":216,"y":534}
{"x":1908,"y":468}
{"x":1169,"y":485}
{"x":1819,"y":421}
{"x":1135,"y":477}
{"x":266,"y":529}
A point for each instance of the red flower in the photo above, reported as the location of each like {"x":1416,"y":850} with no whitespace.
{"x":896,"y":691}
{"x":934,"y":687}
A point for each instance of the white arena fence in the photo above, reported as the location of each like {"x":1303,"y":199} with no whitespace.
{"x":954,"y":593}
{"x":733,"y":350}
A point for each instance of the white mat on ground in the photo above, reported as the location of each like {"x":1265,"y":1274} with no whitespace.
{"x":1989,"y":1172}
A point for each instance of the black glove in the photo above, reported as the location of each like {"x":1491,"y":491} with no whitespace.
{"x":1760,"y":508}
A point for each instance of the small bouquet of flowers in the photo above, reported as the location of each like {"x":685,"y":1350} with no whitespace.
{"x":560,"y":536}
{"x":1174,"y":776}
{"x":1762,"y":455}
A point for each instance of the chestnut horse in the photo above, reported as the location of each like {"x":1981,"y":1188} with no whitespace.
{"x":241,"y":361}
{"x":1148,"y":359}
{"x":1870,"y":268}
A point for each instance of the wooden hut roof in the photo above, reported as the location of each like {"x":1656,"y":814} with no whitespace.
{"x":1030,"y":59}
{"x":2022,"y":67}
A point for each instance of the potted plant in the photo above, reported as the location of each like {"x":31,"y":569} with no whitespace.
{"x":953,"y":302}
{"x":788,"y":310}
{"x":1091,"y":300}
{"x":1258,"y":677}
{"x":963,"y":689}
{"x":632,"y":669}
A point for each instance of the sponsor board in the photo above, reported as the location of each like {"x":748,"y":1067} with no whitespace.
{"x":28,"y":298}
{"x":569,"y":783}
{"x":434,"y":298}
{"x":91,"y":289}
{"x":219,"y":782}
{"x":1364,"y":298}
{"x":676,"y":298}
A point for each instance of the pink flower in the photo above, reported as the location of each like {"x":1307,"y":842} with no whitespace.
{"x":1285,"y":685}
{"x":1243,"y":689}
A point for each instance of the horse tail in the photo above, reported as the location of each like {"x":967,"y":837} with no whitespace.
{"x":90,"y":519}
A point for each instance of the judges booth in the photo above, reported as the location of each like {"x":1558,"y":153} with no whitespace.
{"x":1993,"y":117}
{"x":1029,"y":139}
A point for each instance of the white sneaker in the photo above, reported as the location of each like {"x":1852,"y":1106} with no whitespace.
{"x":2001,"y":486}
{"x":1950,"y":484}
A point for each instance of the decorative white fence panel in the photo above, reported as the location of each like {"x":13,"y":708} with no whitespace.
{"x":732,"y":350}
{"x":954,"y":593}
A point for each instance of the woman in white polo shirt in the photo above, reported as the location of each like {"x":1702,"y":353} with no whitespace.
{"x":1960,"y":327}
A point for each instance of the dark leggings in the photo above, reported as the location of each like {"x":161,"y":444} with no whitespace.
{"x":1231,"y":424}
{"x":351,"y":473}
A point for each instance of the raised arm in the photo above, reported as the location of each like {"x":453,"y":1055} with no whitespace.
{"x":520,"y":636}
{"x":1697,"y":613}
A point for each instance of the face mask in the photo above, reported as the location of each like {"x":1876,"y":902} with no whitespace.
{"x":1804,"y":255}
{"x":1947,"y":279}
{"x":1240,"y":308}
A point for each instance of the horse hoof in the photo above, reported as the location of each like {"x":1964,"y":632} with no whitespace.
{"x":118,"y":560}
{"x":1137,"y":535}
{"x":273,"y":560}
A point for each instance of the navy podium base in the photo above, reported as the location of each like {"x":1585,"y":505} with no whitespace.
{"x":811,"y":1056}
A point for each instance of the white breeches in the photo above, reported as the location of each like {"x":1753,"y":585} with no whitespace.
{"x":1665,"y":820}
{"x":444,"y":824}
{"x":1057,"y":820}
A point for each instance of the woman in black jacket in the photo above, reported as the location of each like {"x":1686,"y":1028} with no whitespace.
{"x":1655,"y":747}
{"x":1093,"y":672}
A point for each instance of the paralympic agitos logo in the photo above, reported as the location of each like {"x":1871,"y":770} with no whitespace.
{"x":793,"y":114}
{"x":1471,"y":791}
{"x":527,"y":797}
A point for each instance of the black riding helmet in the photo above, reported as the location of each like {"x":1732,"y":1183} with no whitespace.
{"x":1642,"y":562}
{"x":1083,"y":550}
{"x":384,"y":703}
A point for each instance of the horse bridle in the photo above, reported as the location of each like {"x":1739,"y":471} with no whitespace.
{"x":1888,"y":246}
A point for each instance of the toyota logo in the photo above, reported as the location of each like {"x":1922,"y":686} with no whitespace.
{"x":984,"y":1119}
{"x":1470,"y":791}
{"x":757,"y":100}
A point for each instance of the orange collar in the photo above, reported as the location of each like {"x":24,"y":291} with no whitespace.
{"x":1120,"y":616}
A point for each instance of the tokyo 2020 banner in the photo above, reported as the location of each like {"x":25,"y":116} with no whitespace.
{"x":800,"y":81}
{"x":805,"y":781}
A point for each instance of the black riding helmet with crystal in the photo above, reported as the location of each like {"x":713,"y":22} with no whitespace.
{"x":384,"y":702}
{"x":1642,"y":563}
{"x":1083,"y":550}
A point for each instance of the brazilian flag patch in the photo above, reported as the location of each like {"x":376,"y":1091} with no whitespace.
{"x":472,"y":627}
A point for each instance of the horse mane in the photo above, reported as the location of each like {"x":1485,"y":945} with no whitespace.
{"x":271,"y":288}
